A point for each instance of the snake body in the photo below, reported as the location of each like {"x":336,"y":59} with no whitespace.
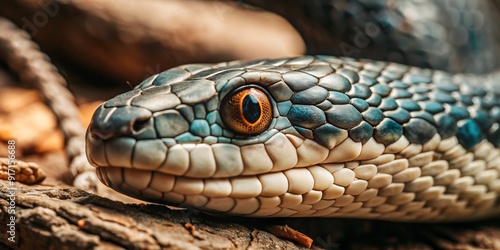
{"x":323,"y":136}
{"x":343,"y":138}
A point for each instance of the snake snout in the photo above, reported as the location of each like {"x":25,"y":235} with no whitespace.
{"x":114,"y":122}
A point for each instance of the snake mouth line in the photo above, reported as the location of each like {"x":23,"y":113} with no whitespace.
{"x":204,"y":160}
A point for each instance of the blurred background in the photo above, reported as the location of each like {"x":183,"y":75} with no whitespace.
{"x":103,"y":48}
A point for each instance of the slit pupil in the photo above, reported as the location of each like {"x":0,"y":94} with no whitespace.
{"x":251,"y":108}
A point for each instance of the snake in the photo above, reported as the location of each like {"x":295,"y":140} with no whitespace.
{"x":310,"y":136}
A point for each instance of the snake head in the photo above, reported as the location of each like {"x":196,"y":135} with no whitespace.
{"x":289,"y":137}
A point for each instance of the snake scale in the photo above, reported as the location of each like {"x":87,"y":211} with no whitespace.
{"x":312,"y":136}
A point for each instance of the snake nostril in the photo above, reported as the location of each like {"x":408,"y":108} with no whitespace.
{"x":94,"y":136}
{"x":139,"y":125}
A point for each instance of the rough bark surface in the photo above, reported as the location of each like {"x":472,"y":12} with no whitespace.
{"x":59,"y":218}
{"x":67,"y":218}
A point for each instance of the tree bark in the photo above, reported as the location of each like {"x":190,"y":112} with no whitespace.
{"x":68,"y":218}
{"x":59,"y":218}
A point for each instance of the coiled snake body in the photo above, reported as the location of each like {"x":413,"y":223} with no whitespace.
{"x":309,"y":136}
{"x":313,"y":136}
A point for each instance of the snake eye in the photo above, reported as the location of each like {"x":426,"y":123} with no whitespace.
{"x":247,"y":111}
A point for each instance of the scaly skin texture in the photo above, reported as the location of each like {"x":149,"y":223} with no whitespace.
{"x":348,"y":138}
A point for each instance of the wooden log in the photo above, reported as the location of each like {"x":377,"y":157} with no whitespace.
{"x":59,"y":218}
{"x":68,"y":218}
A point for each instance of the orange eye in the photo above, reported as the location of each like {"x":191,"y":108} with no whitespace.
{"x":247,"y":111}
